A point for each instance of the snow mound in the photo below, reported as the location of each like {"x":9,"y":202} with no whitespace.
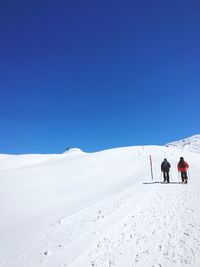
{"x":73,"y":150}
{"x":191,"y":144}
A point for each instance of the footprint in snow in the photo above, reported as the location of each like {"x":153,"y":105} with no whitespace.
{"x":60,"y":222}
{"x":186,"y":234}
{"x":47,"y":253}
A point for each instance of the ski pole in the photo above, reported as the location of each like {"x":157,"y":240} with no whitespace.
{"x":178,"y":177}
{"x":161,"y":176}
{"x":171,"y":175}
{"x":189,"y":176}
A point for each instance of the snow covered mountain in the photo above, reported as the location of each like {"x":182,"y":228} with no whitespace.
{"x":100,"y":209}
{"x":191,"y":144}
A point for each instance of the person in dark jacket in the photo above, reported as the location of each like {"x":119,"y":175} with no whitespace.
{"x":165,"y":167}
{"x":182,"y":168}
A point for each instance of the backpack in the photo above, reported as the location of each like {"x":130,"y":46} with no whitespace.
{"x":165,"y":165}
{"x":182,"y":164}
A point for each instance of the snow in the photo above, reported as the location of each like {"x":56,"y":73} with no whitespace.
{"x":73,"y":151}
{"x":18,"y":161}
{"x":191,"y":144}
{"x":100,"y":209}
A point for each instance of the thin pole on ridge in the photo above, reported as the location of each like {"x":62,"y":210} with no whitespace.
{"x":189,"y":176}
{"x":151,"y":165}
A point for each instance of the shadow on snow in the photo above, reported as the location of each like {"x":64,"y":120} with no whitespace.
{"x":162,"y":182}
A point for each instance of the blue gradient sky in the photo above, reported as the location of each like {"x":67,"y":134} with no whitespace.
{"x":98,"y":74}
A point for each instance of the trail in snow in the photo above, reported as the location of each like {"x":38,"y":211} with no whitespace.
{"x":167,"y":234}
{"x":128,"y":229}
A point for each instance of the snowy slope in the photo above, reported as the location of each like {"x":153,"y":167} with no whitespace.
{"x":17,"y":161}
{"x":191,"y":144}
{"x":99,"y":209}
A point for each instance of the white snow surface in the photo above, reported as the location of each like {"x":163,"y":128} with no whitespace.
{"x":99,"y":209}
{"x":191,"y":144}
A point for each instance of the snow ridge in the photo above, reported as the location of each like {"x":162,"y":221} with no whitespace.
{"x":191,"y":144}
{"x":73,"y":150}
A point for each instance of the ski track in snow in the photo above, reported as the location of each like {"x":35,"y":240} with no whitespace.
{"x":145,"y":234}
{"x":153,"y":236}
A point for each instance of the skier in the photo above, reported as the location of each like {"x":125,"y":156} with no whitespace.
{"x":182,"y":168}
{"x":165,"y":166}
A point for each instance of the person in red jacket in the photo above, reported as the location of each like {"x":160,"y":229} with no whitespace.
{"x":182,"y":168}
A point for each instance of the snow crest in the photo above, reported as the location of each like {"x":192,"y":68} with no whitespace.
{"x":73,"y":150}
{"x":191,"y":144}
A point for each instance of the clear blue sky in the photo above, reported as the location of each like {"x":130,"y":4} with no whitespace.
{"x":98,"y":74}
